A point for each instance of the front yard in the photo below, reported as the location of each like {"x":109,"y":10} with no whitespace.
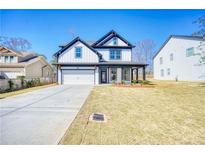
{"x":169,"y":113}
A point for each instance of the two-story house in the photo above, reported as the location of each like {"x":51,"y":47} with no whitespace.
{"x":107,"y":60}
{"x":28,"y":64}
{"x":181,"y":58}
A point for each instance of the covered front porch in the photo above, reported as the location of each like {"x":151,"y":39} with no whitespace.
{"x":121,"y":72}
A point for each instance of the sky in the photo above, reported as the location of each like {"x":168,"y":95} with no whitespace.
{"x":47,"y":29}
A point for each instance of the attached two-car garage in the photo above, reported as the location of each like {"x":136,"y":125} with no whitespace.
{"x":86,"y":77}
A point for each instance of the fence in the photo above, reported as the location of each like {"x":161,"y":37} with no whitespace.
{"x":17,"y":83}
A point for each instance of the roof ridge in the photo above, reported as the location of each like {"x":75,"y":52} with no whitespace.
{"x":178,"y":36}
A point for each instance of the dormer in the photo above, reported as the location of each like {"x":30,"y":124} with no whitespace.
{"x":8,"y":55}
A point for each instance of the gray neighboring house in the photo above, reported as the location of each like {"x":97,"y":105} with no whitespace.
{"x":106,"y":60}
{"x":28,"y":64}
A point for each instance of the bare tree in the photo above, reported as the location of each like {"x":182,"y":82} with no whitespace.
{"x":201,"y":32}
{"x":201,"y":26}
{"x":143,"y":53}
{"x":15,"y":43}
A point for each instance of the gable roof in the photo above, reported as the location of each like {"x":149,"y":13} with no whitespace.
{"x":107,"y":37}
{"x":77,"y":39}
{"x":4,"y":49}
{"x":88,"y":42}
{"x":200,"y":38}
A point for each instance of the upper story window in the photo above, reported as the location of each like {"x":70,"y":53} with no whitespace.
{"x":161,"y":72}
{"x":11,"y":59}
{"x":190,"y":52}
{"x":6,"y":59}
{"x":160,"y":60}
{"x":78,"y":52}
{"x":171,"y":57}
{"x":115,"y":41}
{"x":115,"y":54}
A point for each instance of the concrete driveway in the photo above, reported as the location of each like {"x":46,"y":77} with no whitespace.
{"x":41,"y":116}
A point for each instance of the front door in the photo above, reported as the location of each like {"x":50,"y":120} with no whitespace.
{"x":103,"y":76}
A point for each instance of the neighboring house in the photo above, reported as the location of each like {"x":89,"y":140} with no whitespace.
{"x":107,"y":60}
{"x":180,"y":58}
{"x":28,"y":64}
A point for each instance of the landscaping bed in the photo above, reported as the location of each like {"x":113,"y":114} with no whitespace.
{"x":135,"y":84}
{"x":20,"y":85}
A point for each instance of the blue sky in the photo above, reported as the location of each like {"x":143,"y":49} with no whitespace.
{"x":46,"y":29}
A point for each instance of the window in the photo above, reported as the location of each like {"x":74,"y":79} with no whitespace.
{"x":78,"y":52}
{"x":168,"y":71}
{"x":190,"y":52}
{"x":171,"y":57}
{"x":115,"y":41}
{"x":11,"y":59}
{"x":113,"y":74}
{"x":126,"y":74}
{"x":118,"y":54}
{"x":2,"y":59}
{"x":160,"y":60}
{"x":162,"y":73}
{"x":112,"y":54}
{"x":6,"y":60}
{"x":115,"y":54}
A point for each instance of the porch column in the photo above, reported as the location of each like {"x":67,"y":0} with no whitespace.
{"x":137,"y":74}
{"x":144,"y":74}
{"x":132,"y":74}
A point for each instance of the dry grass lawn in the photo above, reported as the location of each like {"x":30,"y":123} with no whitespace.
{"x":170,"y":113}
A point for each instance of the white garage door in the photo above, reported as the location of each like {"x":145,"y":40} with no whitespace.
{"x":78,"y":77}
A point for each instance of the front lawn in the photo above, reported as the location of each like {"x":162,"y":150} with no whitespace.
{"x":168,"y":113}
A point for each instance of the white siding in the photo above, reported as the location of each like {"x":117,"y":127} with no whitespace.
{"x":69,"y":55}
{"x":182,"y":67}
{"x":126,"y":54}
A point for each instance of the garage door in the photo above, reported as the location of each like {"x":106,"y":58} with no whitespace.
{"x":78,"y":77}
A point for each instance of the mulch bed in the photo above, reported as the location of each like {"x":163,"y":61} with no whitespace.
{"x":135,"y":85}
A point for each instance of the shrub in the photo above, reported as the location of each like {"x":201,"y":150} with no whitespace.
{"x":122,"y":82}
{"x":11,"y":84}
{"x":144,"y":82}
{"x":22,"y":80}
{"x":37,"y":82}
{"x":30,"y":83}
{"x":134,"y":81}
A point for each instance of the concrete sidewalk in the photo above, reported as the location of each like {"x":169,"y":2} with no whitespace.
{"x":41,"y":116}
